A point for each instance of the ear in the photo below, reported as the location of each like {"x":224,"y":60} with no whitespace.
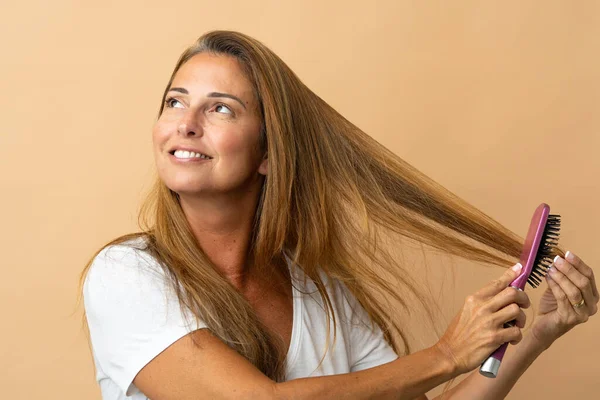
{"x":264,"y":165}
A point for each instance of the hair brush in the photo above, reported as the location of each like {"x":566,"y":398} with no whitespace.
{"x":536,"y":257}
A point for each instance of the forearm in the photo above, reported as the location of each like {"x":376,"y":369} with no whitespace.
{"x":516,"y":361}
{"x":404,"y":378}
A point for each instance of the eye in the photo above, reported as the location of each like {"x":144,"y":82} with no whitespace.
{"x":224,"y":106}
{"x":169,"y":102}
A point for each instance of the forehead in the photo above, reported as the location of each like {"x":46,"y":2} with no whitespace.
{"x":206,"y":72}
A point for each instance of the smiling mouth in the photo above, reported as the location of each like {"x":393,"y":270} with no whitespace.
{"x":186,"y":155}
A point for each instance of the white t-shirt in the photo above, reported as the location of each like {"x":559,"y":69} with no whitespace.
{"x":133,"y":315}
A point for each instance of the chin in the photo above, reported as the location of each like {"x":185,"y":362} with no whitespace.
{"x":186,"y":189}
{"x":189,"y":187}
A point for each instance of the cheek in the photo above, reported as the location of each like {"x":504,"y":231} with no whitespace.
{"x":230,"y":145}
{"x":238,"y":142}
{"x":237,"y":150}
{"x":159,"y":134}
{"x":159,"y":141}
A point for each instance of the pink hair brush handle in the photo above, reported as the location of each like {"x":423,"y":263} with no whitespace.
{"x":541,"y":239}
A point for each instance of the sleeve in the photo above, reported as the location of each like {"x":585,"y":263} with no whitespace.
{"x":132,"y":314}
{"x":368,"y":347}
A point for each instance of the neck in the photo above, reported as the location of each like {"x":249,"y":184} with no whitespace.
{"x":223,"y":226}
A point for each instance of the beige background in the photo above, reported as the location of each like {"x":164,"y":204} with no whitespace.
{"x":498,"y":101}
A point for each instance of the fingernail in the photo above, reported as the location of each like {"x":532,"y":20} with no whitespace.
{"x":569,"y":256}
{"x":517,"y":267}
{"x":558,"y":260}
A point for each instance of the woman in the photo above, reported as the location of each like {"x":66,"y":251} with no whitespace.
{"x":256,"y":276}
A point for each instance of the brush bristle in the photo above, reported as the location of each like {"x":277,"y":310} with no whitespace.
{"x":545,"y":253}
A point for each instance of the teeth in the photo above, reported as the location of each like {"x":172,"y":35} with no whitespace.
{"x":189,"y":154}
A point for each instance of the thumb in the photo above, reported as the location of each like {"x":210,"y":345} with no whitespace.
{"x":498,"y":285}
{"x":510,"y":275}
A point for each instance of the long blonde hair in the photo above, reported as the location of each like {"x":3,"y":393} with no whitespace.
{"x":330,"y":193}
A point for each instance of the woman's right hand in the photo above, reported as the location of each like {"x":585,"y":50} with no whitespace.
{"x":478,"y":329}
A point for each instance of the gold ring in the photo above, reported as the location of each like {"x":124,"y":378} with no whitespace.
{"x":580,"y":304}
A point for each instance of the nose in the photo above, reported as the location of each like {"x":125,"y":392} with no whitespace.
{"x":188,"y":126}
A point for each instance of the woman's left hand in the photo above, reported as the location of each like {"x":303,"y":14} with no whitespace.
{"x":570,"y":299}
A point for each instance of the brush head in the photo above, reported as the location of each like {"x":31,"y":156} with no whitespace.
{"x":538,"y":248}
{"x":545,"y":252}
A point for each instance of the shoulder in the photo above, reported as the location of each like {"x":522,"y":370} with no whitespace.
{"x":122,"y":274}
{"x":128,"y":251}
{"x":124,"y":260}
{"x":132,"y":312}
{"x":126,"y":289}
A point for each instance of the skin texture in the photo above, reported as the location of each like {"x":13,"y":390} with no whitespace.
{"x":484,"y":312}
{"x":219,"y":198}
{"x":568,"y":282}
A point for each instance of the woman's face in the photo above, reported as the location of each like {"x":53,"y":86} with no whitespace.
{"x":210,"y":108}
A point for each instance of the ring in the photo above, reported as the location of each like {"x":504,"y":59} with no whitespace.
{"x":580,"y":304}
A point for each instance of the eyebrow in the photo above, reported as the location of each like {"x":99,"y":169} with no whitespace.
{"x":211,"y":94}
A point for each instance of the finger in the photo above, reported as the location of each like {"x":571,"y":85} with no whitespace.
{"x":498,"y":285}
{"x":518,"y":338}
{"x":562,"y":300}
{"x":584,"y":270}
{"x":511,"y":334}
{"x":573,"y":293}
{"x":507,"y":314}
{"x":521,"y":319}
{"x":578,"y":279}
{"x":508,"y":296}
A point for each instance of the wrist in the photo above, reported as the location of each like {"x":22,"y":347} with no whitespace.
{"x":448,"y":361}
{"x":534,"y":342}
